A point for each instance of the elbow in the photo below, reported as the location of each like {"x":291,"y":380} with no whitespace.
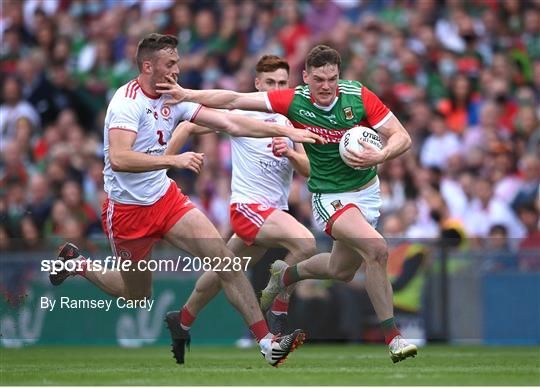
{"x":116,"y":165}
{"x":233,"y":129}
{"x":407,"y":142}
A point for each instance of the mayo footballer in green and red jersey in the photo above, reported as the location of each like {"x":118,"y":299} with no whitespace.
{"x":354,"y":105}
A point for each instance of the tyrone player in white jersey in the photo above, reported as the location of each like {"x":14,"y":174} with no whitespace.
{"x":144,"y":205}
{"x":261,"y":178}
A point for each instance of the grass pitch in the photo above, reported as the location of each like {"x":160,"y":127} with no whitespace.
{"x":310,"y":365}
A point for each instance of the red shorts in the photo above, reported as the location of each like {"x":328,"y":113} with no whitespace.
{"x":248,"y":218}
{"x":134,"y":229}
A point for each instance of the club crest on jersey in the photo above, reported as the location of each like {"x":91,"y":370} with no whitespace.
{"x":124,"y":254}
{"x":337,"y":205}
{"x":348,"y":113}
{"x":165,"y":112}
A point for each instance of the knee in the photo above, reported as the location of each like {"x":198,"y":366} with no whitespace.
{"x":210,"y":282}
{"x":378,"y":253}
{"x":304,"y":248}
{"x":228,"y":276}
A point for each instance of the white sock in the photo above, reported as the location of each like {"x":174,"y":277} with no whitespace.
{"x":266,"y":343}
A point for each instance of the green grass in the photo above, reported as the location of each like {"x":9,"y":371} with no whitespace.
{"x":310,"y":365}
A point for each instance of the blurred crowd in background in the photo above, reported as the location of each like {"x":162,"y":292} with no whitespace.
{"x":462,"y":76}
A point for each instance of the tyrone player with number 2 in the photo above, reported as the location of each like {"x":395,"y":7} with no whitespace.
{"x":346,"y":200}
{"x":144,"y":205}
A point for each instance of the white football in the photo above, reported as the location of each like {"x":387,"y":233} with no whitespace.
{"x":349,"y":141}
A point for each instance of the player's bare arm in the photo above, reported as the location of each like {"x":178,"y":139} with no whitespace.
{"x":297,"y":155}
{"x":397,"y":141}
{"x":180,"y":135}
{"x":213,"y":98}
{"x":237,"y":125}
{"x":124,"y":159}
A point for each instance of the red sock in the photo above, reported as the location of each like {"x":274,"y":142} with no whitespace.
{"x":279,"y":307}
{"x":290,"y":275}
{"x":259,"y":329}
{"x":186,"y":318}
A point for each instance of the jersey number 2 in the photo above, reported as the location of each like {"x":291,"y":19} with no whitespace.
{"x":160,"y":138}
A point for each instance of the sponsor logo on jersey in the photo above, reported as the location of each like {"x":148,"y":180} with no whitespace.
{"x":330,"y":135}
{"x":165,"y":112}
{"x":149,"y":111}
{"x":155,"y":115}
{"x":337,"y":205}
{"x":270,"y":120}
{"x":331,"y":118}
{"x":306,"y":113}
{"x":348,"y":113}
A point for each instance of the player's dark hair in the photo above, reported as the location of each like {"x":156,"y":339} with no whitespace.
{"x":151,"y":44}
{"x":271,"y":63}
{"x":322,"y":55}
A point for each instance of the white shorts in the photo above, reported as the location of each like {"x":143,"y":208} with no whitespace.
{"x":328,"y":207}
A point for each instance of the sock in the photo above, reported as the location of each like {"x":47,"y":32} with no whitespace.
{"x":290,"y":276}
{"x":260,"y":330}
{"x":389,"y":329}
{"x":279,"y":307}
{"x":186,"y":318}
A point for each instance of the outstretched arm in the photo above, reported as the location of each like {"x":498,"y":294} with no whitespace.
{"x":237,"y":125}
{"x":213,"y":98}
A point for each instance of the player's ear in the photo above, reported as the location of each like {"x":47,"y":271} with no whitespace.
{"x":257,"y":83}
{"x":305,"y":76}
{"x":147,"y":67}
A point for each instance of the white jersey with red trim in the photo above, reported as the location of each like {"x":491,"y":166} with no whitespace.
{"x":133,"y":110}
{"x":258,"y":176}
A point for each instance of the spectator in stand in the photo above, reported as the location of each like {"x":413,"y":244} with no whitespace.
{"x":497,"y":252}
{"x":460,"y":109}
{"x":294,"y":38}
{"x":79,"y":209}
{"x":440,"y":145}
{"x":488,"y":130}
{"x":528,"y":193}
{"x":529,"y":259}
{"x":13,"y":108}
{"x":485,"y":210}
{"x":40,"y":202}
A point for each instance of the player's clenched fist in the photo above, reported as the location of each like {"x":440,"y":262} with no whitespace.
{"x":280,"y":147}
{"x":189,"y":160}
